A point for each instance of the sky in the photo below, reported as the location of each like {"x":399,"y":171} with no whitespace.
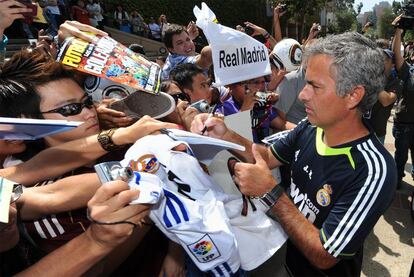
{"x":369,"y":4}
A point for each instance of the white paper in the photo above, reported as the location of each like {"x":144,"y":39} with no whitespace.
{"x":6,"y":189}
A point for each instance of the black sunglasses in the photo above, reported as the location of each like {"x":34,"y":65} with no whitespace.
{"x":73,"y":108}
{"x":180,"y":95}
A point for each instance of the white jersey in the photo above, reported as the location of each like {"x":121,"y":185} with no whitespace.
{"x":196,"y":213}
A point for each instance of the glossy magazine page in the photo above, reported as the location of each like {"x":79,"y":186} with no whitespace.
{"x":107,"y":58}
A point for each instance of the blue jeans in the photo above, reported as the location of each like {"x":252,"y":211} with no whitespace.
{"x":404,"y":141}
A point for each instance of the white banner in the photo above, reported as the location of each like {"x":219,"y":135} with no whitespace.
{"x":236,"y":55}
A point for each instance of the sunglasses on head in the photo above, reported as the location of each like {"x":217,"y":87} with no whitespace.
{"x":73,"y":108}
{"x":180,"y":95}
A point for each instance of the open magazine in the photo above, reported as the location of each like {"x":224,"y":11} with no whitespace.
{"x":32,"y":129}
{"x":204,"y":148}
{"x":6,"y":189}
{"x":107,"y":58}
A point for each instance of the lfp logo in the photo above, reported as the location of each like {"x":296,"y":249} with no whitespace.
{"x":202,"y":248}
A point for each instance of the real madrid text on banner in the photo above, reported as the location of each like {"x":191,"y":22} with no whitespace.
{"x":236,"y":56}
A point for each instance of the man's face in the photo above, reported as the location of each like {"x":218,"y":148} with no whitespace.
{"x":59,"y":93}
{"x":182,"y":45}
{"x":258,"y":84}
{"x":200,"y":89}
{"x":9,"y":233}
{"x":323,"y":106}
{"x":238,"y":91}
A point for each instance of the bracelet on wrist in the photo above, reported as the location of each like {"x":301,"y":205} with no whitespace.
{"x":105,"y":139}
{"x":266,"y":35}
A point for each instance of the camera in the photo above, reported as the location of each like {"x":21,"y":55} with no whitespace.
{"x":149,"y":185}
{"x":202,"y":106}
{"x":407,"y":20}
{"x":249,"y":30}
{"x":283,"y":8}
{"x":262,"y":96}
{"x":110,"y":171}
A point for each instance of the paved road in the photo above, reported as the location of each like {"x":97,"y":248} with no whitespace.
{"x":389,"y":249}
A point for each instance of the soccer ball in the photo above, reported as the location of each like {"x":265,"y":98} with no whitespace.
{"x":287,"y":55}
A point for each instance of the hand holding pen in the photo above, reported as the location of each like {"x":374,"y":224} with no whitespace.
{"x":210,"y":115}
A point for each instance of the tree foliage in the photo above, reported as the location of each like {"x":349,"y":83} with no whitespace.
{"x":385,"y":29}
{"x":345,"y":21}
{"x":409,"y":35}
{"x":229,"y":12}
{"x":344,"y":4}
{"x":232,"y":12}
{"x":359,"y":7}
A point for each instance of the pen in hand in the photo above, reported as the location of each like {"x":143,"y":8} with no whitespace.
{"x":210,"y":115}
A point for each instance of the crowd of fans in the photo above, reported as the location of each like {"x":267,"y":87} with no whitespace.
{"x":50,"y":14}
{"x":330,"y":115}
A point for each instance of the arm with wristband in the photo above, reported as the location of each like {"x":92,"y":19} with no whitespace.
{"x":261,"y":31}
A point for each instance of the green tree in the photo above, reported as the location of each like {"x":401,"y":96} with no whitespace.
{"x":345,"y":20}
{"x":229,"y":12}
{"x":385,"y":29}
{"x":359,"y":7}
{"x":302,"y":11}
{"x":344,"y":4}
{"x":409,"y":35}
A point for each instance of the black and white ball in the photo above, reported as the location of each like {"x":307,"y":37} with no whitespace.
{"x":287,"y":55}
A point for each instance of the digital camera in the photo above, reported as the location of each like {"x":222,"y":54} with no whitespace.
{"x":283,"y":8}
{"x":262,"y":96}
{"x":110,"y":171}
{"x":249,"y":30}
{"x":202,"y":106}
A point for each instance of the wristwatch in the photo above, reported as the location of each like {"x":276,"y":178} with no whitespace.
{"x":105,"y":139}
{"x":270,"y":198}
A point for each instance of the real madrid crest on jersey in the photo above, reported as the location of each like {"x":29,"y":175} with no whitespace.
{"x":323,"y":196}
{"x":146,"y":163}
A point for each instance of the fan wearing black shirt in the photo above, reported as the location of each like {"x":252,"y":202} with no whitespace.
{"x":343,"y":179}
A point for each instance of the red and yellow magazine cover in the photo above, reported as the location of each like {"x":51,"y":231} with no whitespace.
{"x":107,"y":58}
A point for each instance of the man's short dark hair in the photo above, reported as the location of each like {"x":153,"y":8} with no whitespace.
{"x":19,"y":79}
{"x":183,"y":74}
{"x":18,"y":99}
{"x":172,"y":29}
